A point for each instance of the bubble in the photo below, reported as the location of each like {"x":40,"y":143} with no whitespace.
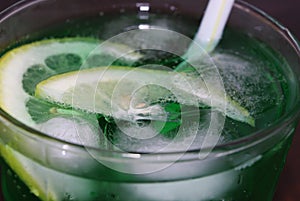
{"x":248,"y":80}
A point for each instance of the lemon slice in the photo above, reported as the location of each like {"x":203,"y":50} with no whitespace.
{"x":126,"y":92}
{"x":22,"y":68}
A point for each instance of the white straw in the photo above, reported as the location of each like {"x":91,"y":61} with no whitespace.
{"x":212,"y":25}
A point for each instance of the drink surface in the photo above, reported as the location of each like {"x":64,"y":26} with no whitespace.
{"x":252,"y":76}
{"x":250,"y":71}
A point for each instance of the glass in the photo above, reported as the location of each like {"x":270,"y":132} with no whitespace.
{"x":246,"y":168}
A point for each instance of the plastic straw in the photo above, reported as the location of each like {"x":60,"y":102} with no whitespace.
{"x":212,"y":25}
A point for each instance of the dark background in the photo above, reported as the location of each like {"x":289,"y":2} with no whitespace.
{"x":287,"y":12}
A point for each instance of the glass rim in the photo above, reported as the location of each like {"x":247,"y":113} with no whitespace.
{"x":257,"y":136}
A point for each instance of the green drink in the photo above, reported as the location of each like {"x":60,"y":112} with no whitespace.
{"x":101,"y":105}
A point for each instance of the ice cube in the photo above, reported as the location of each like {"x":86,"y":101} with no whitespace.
{"x":72,"y":129}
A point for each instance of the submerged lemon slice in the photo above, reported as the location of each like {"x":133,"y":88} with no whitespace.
{"x":122,"y":92}
{"x":22,"y":68}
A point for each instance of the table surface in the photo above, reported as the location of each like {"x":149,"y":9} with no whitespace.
{"x":286,"y":12}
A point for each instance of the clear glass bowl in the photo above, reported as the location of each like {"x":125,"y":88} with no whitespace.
{"x":243,"y":169}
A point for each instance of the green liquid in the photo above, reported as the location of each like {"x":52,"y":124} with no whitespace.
{"x":256,"y":81}
{"x":251,"y":181}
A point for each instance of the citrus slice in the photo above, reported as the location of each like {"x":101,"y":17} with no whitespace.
{"x":51,"y":185}
{"x":22,"y":68}
{"x":126,"y":92}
